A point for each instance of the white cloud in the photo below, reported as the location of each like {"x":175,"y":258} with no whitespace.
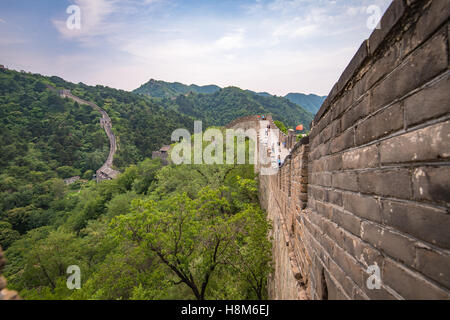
{"x":231,"y":41}
{"x":2,"y":21}
{"x":280,"y":47}
{"x":294,"y":28}
{"x":94,"y":20}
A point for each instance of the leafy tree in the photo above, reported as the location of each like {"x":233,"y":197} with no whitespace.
{"x":191,"y":237}
{"x":67,"y":172}
{"x":281,"y":126}
{"x":7,"y":234}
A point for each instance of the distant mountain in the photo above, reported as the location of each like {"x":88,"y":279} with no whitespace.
{"x":225,"y":105}
{"x":219,"y":106}
{"x":162,"y":89}
{"x":262,"y":94}
{"x":310,"y":102}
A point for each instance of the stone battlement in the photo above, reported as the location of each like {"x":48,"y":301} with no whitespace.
{"x":370,"y":186}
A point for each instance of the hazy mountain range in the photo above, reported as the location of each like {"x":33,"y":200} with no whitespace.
{"x":162,"y":89}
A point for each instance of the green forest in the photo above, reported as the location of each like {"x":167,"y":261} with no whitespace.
{"x":218,"y":107}
{"x":173,"y":232}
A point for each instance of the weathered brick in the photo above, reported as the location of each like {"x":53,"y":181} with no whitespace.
{"x":347,"y":284}
{"x":316,"y":192}
{"x":429,"y":20}
{"x":423,"y":222}
{"x":354,"y":64}
{"x":409,"y":284}
{"x":430,"y":102}
{"x":429,"y":143}
{"x":361,"y":158}
{"x":350,"y":242}
{"x":344,"y":141}
{"x":434,"y":264}
{"x":334,"y":293}
{"x":322,"y":179}
{"x":358,"y":294}
{"x":420,"y":67}
{"x":389,"y":19}
{"x":325,"y":135}
{"x":367,"y":254}
{"x":390,"y":59}
{"x":349,"y":265}
{"x":379,"y":125}
{"x":362,"y":206}
{"x":333,"y":196}
{"x":347,"y":221}
{"x":323,"y":209}
{"x":352,"y":115}
{"x":303,"y":197}
{"x":342,"y":104}
{"x":335,"y":128}
{"x":413,"y":233}
{"x":394,"y":244}
{"x":360,"y":89}
{"x":326,"y":105}
{"x":392,"y":183}
{"x":326,"y":120}
{"x":324,"y":149}
{"x":377,"y":294}
{"x":333,"y":163}
{"x":332,"y":230}
{"x":314,"y":139}
{"x":327,"y":243}
{"x":345,"y":181}
{"x":432,"y":184}
{"x":313,"y":134}
{"x":303,"y":188}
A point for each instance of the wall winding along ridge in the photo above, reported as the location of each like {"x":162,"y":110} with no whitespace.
{"x":371,"y":186}
{"x":106,"y":171}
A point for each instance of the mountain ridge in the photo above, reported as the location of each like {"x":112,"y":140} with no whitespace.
{"x":162,"y":89}
{"x":311,"y":102}
{"x":227,"y":104}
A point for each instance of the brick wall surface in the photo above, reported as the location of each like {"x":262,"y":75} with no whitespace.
{"x":371,"y":186}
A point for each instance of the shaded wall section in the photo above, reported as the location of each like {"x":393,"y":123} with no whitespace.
{"x":371,"y":187}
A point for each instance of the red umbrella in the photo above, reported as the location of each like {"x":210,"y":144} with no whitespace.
{"x":299,"y":128}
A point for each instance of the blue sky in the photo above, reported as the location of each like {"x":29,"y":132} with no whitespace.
{"x":278,"y":46}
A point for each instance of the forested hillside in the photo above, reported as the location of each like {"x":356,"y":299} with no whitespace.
{"x":161,"y":89}
{"x":176,"y":232}
{"x":310,"y":102}
{"x":228,"y":104}
{"x":43,"y":140}
{"x":141,"y":124}
{"x":46,"y":139}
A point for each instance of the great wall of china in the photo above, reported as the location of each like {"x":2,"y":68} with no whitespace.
{"x":370,"y":186}
{"x":106,"y":172}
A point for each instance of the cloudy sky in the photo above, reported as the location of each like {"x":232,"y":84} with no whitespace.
{"x":278,"y":46}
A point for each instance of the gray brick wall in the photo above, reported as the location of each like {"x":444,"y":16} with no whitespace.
{"x":371,"y":186}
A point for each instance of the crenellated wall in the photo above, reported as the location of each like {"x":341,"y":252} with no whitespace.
{"x":244,"y":123}
{"x":371,"y":187}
